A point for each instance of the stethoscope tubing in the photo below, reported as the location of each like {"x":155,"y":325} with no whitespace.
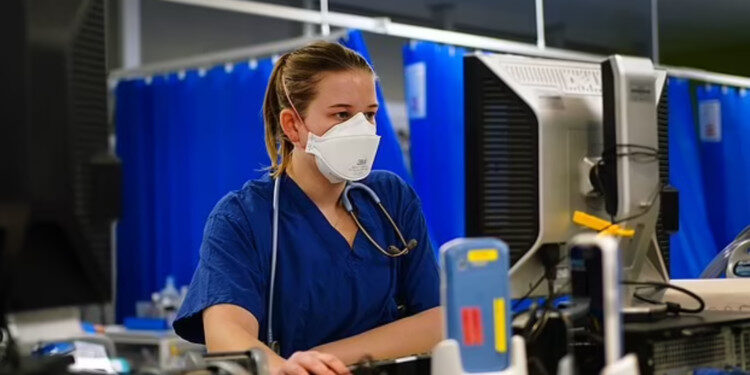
{"x":349,"y":208}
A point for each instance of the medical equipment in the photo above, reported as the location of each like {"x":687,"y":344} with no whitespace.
{"x":680,"y":344}
{"x":392,"y":251}
{"x":595,"y":278}
{"x":732,"y":260}
{"x":346,"y":151}
{"x":475,"y":293}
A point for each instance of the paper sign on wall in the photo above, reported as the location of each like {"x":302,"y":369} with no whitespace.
{"x":416,"y":90}
{"x":709,"y":114}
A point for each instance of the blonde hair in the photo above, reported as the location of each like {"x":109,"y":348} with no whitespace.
{"x":297,"y":73}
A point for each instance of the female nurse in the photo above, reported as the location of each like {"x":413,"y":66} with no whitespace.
{"x":343,"y":285}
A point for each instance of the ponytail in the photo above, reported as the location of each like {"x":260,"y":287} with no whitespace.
{"x":278,"y":146}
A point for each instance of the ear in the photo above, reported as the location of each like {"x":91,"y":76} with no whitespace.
{"x":290,"y":125}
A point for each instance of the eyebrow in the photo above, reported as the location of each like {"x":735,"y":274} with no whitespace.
{"x":374,"y":105}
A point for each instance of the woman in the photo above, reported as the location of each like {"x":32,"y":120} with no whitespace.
{"x":337,"y":297}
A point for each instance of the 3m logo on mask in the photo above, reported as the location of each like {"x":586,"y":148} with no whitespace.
{"x":361,"y":162}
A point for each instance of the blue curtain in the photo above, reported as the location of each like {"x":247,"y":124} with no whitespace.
{"x":186,"y":140}
{"x":723,"y":132}
{"x":743,"y":143}
{"x":434,"y":98}
{"x":693,"y":246}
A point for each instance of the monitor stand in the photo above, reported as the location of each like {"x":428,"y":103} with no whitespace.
{"x":647,"y":265}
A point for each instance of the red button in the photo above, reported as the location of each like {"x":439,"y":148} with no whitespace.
{"x":471,"y":319}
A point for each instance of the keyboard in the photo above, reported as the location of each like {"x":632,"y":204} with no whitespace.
{"x":412,"y":365}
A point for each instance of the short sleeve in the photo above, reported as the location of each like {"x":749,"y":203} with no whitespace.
{"x":229,"y":272}
{"x":420,"y":285}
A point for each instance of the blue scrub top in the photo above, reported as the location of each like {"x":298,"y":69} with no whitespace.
{"x":325,"y":290}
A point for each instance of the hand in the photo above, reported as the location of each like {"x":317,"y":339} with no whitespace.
{"x":312,"y":362}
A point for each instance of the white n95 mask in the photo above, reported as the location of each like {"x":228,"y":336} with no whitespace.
{"x":346,"y":151}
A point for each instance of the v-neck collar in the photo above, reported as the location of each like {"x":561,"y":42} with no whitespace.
{"x":302,"y":203}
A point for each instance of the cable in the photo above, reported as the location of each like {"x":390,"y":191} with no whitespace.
{"x":610,"y":153}
{"x":671,"y":306}
{"x":651,"y":203}
{"x":551,"y":258}
{"x":526,"y":296}
{"x":523,"y":298}
{"x":654,"y":150}
{"x":539,"y":325}
{"x":274,"y":251}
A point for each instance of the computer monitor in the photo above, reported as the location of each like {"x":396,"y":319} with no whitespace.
{"x":59,"y":182}
{"x":629,"y":169}
{"x":533,"y":132}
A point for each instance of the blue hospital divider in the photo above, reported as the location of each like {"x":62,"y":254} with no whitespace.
{"x":693,"y":246}
{"x":744,"y":151}
{"x":185,"y":140}
{"x":736,"y":169}
{"x":720,"y":135}
{"x":434,"y":95}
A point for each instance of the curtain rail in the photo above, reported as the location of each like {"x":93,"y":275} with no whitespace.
{"x":706,"y":76}
{"x":227,"y":56}
{"x":386,"y":27}
{"x":383,"y":25}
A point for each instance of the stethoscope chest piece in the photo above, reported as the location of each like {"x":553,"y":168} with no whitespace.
{"x":392,"y":250}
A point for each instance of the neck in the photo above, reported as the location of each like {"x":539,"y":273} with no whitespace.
{"x":303,"y":170}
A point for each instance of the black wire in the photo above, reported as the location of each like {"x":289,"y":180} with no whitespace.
{"x":526,"y":296}
{"x":642,"y":213}
{"x":675,"y":307}
{"x":531,"y":319}
{"x":606,"y":154}
{"x":538,"y":327}
{"x":536,"y":285}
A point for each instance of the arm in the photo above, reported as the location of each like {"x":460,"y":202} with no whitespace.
{"x":228,"y":284}
{"x":231,"y":328}
{"x":413,"y":335}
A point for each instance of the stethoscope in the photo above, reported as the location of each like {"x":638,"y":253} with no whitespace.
{"x":392,"y":251}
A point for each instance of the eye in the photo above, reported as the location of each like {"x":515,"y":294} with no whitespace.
{"x":370,"y":116}
{"x":342,"y":115}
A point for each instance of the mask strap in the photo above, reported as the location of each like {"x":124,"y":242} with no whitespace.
{"x":289,"y":99}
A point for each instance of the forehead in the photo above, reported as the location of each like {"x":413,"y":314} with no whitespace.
{"x":346,"y":86}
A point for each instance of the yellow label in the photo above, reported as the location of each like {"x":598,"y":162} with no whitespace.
{"x":501,"y":344}
{"x":482,"y":255}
